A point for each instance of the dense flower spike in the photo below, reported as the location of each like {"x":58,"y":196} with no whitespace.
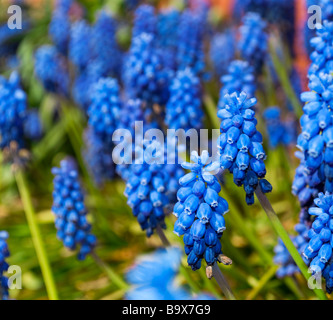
{"x":319,"y":248}
{"x":145,"y":77}
{"x":146,"y":187}
{"x":239,"y":78}
{"x":183,"y":110}
{"x":200,"y":211}
{"x":253,"y":41}
{"x":105,"y":50}
{"x":145,"y":20}
{"x":240,"y":144}
{"x":51,"y":70}
{"x":222,"y":51}
{"x":190,"y":42}
{"x":279,"y":132}
{"x":73,"y":228}
{"x":4,"y":253}
{"x":13,"y":109}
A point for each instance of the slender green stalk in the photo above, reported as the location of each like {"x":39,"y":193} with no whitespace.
{"x":222,"y":282}
{"x":162,"y":236}
{"x":113,"y":276}
{"x":36,"y":236}
{"x":282,"y":233}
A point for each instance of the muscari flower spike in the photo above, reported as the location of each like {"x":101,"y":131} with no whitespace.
{"x":200,"y":211}
{"x":51,"y":70}
{"x":146,"y":187}
{"x":240,"y":145}
{"x":73,"y":228}
{"x":183,"y":110}
{"x":13,"y":111}
{"x":4,"y":253}
{"x":145,"y":20}
{"x":253,"y":40}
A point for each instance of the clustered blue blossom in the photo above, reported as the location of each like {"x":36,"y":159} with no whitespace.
{"x":13,"y":110}
{"x":253,"y":40}
{"x":183,"y":110}
{"x":200,"y":211}
{"x":222,"y":51}
{"x":147,"y":186}
{"x":240,"y":144}
{"x":51,"y":70}
{"x":73,"y":228}
{"x":4,"y":253}
{"x":279,"y":132}
{"x":145,"y":20}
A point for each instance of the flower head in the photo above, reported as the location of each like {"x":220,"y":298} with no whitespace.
{"x":145,"y":20}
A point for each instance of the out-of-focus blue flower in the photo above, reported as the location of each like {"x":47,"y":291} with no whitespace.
{"x":13,"y":109}
{"x":327,"y":9}
{"x":146,"y":187}
{"x":145,"y":77}
{"x":328,"y":275}
{"x":145,"y":20}
{"x":222,"y":51}
{"x":200,"y":211}
{"x":239,"y":78}
{"x":319,"y":248}
{"x":73,"y":228}
{"x":253,"y":40}
{"x":131,"y":4}
{"x":81,"y":89}
{"x":79,"y":44}
{"x":33,"y":128}
{"x":279,"y":132}
{"x":4,"y":253}
{"x":105,"y":50}
{"x":240,"y":144}
{"x":183,"y":110}
{"x":283,"y":257}
{"x":190,"y":42}
{"x":51,"y":70}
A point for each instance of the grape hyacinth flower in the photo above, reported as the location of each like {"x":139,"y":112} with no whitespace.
{"x":200,"y":211}
{"x":13,"y":111}
{"x":4,"y":253}
{"x":73,"y":228}
{"x":183,"y":110}
{"x":328,"y":275}
{"x":145,"y":20}
{"x":240,"y":145}
{"x":51,"y":70}
{"x":240,"y":77}
{"x":145,"y":77}
{"x":146,"y":187}
{"x":253,"y":40}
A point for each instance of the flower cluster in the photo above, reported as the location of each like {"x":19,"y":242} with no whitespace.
{"x":279,"y":132}
{"x":73,"y":228}
{"x":146,"y":187}
{"x":145,"y":20}
{"x":4,"y":253}
{"x":253,"y":41}
{"x":190,"y":42}
{"x":51,"y":69}
{"x":13,"y":110}
{"x":240,"y":144}
{"x":183,"y":110}
{"x":200,"y":211}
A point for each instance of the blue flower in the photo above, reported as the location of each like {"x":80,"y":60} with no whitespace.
{"x":145,"y":20}
{"x":146,"y":187}
{"x":200,"y":212}
{"x":4,"y":253}
{"x":73,"y":228}
{"x":33,"y":128}
{"x":51,"y":70}
{"x":222,"y":51}
{"x":190,"y":42}
{"x":81,"y":89}
{"x":328,"y":275}
{"x":183,"y":110}
{"x":145,"y":77}
{"x":13,"y":110}
{"x":253,"y":41}
{"x":319,"y":248}
{"x":240,"y":144}
{"x":327,"y":9}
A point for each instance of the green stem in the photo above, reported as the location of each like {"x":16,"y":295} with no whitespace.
{"x":222,"y":282}
{"x":36,"y":236}
{"x":282,"y":233}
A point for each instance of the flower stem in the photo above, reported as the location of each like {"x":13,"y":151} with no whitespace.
{"x":222,"y":282}
{"x":162,"y":236}
{"x":282,"y":233}
{"x":36,"y":236}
